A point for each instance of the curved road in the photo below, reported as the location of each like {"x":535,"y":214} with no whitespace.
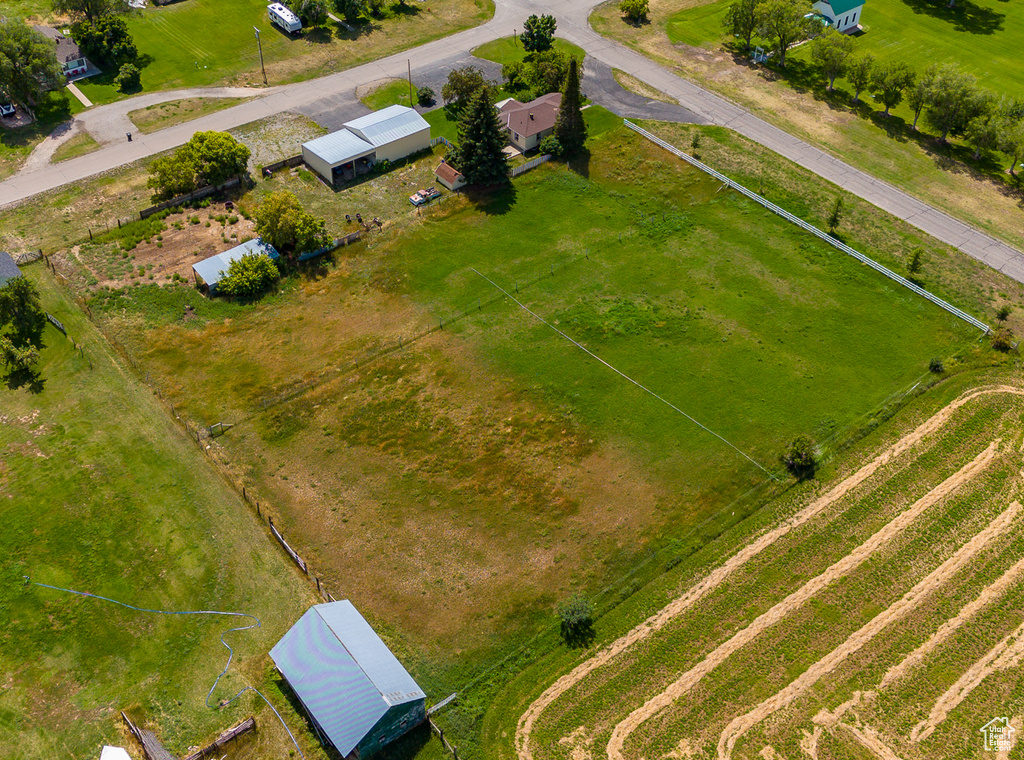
{"x":334,"y":94}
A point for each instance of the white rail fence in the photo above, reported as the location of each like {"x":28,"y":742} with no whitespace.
{"x":813,"y":230}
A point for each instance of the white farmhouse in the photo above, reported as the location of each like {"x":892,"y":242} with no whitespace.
{"x":844,"y":15}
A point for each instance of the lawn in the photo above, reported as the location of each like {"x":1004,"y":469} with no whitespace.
{"x":395,"y":92}
{"x":78,"y":145}
{"x":495,"y":465}
{"x":162,"y":115}
{"x":197,"y":44}
{"x":101,"y":491}
{"x":16,"y":144}
{"x":510,"y":49}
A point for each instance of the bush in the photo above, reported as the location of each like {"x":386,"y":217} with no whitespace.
{"x":425,"y":96}
{"x":313,"y":12}
{"x":634,"y":10}
{"x":1002,"y":339}
{"x":1003,"y":312}
{"x":209,"y":158}
{"x":577,"y":621}
{"x":551,"y":145}
{"x":936,"y":366}
{"x":800,"y":459}
{"x":249,"y":275}
{"x":129,"y":78}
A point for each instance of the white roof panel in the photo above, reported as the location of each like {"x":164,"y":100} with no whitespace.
{"x":388,"y":124}
{"x":339,"y":147}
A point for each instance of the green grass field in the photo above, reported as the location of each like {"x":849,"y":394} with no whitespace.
{"x":162,"y":115}
{"x":196,"y":43}
{"x":508,"y":49}
{"x":393,"y":93}
{"x":101,"y":492}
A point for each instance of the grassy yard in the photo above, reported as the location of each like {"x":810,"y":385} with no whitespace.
{"x":100,"y":491}
{"x":394,"y":92}
{"x":162,"y":115}
{"x":197,"y":44}
{"x":510,"y":49}
{"x":948,"y":177}
{"x":16,"y":144}
{"x":498,"y":467}
{"x":78,"y":145}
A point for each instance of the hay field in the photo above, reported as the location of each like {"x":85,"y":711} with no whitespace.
{"x":878,"y":617}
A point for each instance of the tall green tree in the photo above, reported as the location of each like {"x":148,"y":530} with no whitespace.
{"x":313,"y":12}
{"x":351,"y":10}
{"x":28,"y":66}
{"x":21,"y":314}
{"x":1011,"y":142}
{"x":209,"y":158}
{"x":538,"y":33}
{"x":284,"y":223}
{"x":105,"y":41}
{"x":570,"y":127}
{"x":858,"y":74}
{"x":831,"y":51}
{"x":479,"y":154}
{"x":741,"y":20}
{"x":953,"y":101}
{"x":90,"y":10}
{"x":982,"y":133}
{"x":890,"y":80}
{"x":919,"y":92}
{"x":783,"y":21}
{"x":249,"y":275}
{"x":461,"y":85}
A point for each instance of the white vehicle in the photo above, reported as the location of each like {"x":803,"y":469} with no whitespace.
{"x":284,"y":18}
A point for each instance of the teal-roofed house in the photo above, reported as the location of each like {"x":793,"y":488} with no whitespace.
{"x":844,"y":14}
{"x":358,"y":696}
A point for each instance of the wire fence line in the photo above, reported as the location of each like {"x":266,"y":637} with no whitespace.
{"x":960,"y":313}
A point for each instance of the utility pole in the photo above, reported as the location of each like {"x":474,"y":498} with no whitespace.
{"x":412,"y":101}
{"x":260,"y":46}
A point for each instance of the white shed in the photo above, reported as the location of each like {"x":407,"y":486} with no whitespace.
{"x":389,"y":134}
{"x":844,"y":14}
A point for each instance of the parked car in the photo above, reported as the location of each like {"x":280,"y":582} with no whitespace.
{"x":6,"y":109}
{"x":423,"y":196}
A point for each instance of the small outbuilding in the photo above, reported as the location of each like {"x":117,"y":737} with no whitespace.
{"x":449,"y":176}
{"x":529,"y":123}
{"x":389,"y":134}
{"x":210,"y":271}
{"x":72,"y":61}
{"x":358,"y":696}
{"x":8,"y":269}
{"x":844,"y":15}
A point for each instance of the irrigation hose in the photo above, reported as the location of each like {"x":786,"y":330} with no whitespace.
{"x":231,"y":652}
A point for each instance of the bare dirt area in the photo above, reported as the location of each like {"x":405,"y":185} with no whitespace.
{"x":1000,"y":657}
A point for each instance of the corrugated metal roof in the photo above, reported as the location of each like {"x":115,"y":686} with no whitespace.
{"x":211,"y":269}
{"x":8,"y":269}
{"x":389,"y":124}
{"x":339,"y":147}
{"x":344,"y":674}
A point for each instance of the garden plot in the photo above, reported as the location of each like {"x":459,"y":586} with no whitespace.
{"x":905,"y":622}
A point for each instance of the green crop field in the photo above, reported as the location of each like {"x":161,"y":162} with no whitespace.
{"x":394,"y":403}
{"x":101,"y":492}
{"x":870,"y":614}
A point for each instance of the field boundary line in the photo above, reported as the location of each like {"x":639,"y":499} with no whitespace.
{"x":988,"y":596}
{"x":1004,"y":655}
{"x":802,"y":595}
{"x":957,"y":312}
{"x":870,"y":741}
{"x":720,"y":574}
{"x":860,"y":638}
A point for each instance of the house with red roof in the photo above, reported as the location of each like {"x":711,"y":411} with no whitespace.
{"x":529,"y":123}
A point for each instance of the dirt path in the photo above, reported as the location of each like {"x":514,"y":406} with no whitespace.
{"x":928,"y":585}
{"x":870,"y":741}
{"x":798,"y":598}
{"x":657,"y":621}
{"x":1004,"y":655}
{"x":988,"y":595}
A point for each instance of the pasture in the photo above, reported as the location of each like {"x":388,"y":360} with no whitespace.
{"x":495,"y":466}
{"x":871,"y":614}
{"x":101,"y":491}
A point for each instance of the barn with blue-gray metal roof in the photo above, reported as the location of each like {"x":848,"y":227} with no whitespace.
{"x":8,"y":269}
{"x":211,"y":271}
{"x":356,"y":692}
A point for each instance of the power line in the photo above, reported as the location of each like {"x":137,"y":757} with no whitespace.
{"x":627,"y":377}
{"x":231,"y":652}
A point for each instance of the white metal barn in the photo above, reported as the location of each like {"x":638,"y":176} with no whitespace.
{"x":389,"y":134}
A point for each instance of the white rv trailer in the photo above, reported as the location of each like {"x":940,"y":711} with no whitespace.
{"x":284,"y":18}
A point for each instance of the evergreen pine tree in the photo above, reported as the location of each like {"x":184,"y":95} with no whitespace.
{"x":479,"y":153}
{"x":570,"y":128}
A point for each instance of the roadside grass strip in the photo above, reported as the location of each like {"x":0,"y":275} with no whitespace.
{"x":721,"y":574}
{"x":909,"y":602}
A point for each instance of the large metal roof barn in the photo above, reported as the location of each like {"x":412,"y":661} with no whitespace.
{"x":356,"y":692}
{"x":389,"y":134}
{"x":8,"y":269}
{"x":212,"y":270}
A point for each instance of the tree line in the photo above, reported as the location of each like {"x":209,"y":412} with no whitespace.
{"x":950,"y":100}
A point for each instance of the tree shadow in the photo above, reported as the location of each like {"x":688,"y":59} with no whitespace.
{"x":580,"y":163}
{"x":361,"y":28}
{"x":319,"y":35}
{"x":404,"y":9}
{"x":51,"y":112}
{"x":494,"y":200}
{"x":965,"y":16}
{"x":25,"y":378}
{"x":578,"y":636}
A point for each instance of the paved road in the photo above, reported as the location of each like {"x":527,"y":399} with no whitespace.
{"x":331,"y":97}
